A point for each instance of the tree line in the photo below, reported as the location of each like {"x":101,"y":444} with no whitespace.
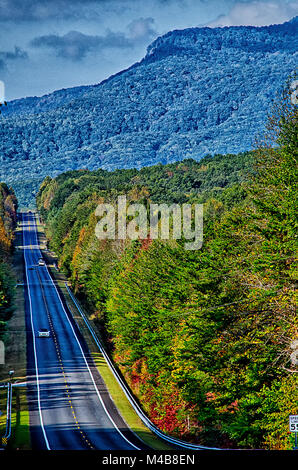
{"x":204,"y":338}
{"x":8,"y":218}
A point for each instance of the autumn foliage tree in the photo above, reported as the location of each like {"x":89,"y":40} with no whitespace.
{"x":204,"y":338}
{"x":8,"y":207}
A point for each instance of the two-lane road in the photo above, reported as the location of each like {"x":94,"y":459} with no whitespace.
{"x":68,"y":402}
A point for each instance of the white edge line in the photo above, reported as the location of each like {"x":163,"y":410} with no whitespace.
{"x":34,"y":348}
{"x":82,"y":352}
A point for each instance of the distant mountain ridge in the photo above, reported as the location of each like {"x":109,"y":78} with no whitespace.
{"x":197,"y":91}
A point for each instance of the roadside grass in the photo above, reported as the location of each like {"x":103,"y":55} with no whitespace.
{"x":16,"y":360}
{"x":20,"y":434}
{"x":20,"y":420}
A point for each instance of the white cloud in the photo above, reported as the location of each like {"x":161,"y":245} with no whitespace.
{"x":75,"y":45}
{"x":258,"y":13}
{"x":142,"y":29}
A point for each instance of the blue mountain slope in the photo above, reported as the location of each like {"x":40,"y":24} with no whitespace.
{"x":197,"y":91}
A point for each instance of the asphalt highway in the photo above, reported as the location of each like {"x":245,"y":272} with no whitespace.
{"x":69,"y":406}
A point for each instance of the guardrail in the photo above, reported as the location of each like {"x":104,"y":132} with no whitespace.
{"x":133,"y":402}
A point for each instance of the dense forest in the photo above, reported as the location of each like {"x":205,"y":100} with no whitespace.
{"x":8,"y":207}
{"x":198,"y":91}
{"x":204,"y":338}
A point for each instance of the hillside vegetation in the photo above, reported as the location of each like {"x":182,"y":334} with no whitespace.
{"x":197,"y":91}
{"x":204,"y":338}
{"x":8,"y":207}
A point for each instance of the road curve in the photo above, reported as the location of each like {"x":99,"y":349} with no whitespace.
{"x":69,"y":406}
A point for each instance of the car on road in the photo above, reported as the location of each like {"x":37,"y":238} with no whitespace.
{"x":43,"y":333}
{"x":41,"y":262}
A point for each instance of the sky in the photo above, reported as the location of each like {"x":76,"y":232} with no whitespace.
{"x":47,"y":45}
